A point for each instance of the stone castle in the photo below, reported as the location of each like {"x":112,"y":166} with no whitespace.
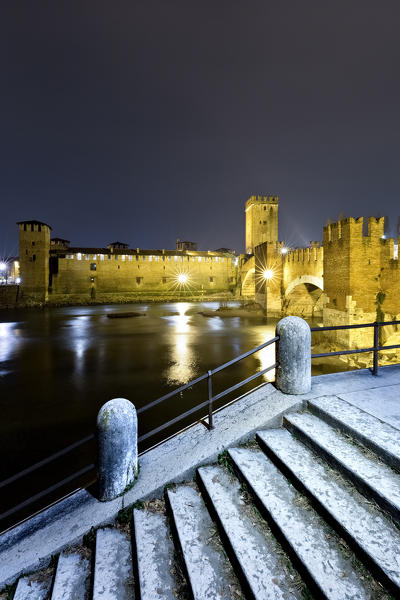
{"x":353,"y":277}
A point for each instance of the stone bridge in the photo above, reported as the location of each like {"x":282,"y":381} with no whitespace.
{"x":295,"y":284}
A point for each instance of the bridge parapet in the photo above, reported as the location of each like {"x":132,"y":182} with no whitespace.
{"x":305,"y":255}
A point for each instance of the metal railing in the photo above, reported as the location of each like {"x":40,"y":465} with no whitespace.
{"x":375,"y":349}
{"x":209,"y":403}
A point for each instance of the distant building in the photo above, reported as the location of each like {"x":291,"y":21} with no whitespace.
{"x":183,"y":246}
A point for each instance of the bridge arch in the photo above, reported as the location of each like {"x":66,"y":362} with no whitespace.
{"x":248,"y":282}
{"x":312,"y":279}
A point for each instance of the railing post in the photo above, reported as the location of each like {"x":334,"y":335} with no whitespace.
{"x":376,"y":345}
{"x":210,"y":403}
{"x":293,"y":355}
{"x":117,"y":447}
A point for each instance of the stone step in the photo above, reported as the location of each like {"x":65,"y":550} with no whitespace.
{"x":113,"y":575}
{"x":209,"y":572}
{"x":154,"y":553}
{"x":327,"y":567}
{"x":255,"y":553}
{"x":32,"y":588}
{"x":72,"y":580}
{"x":372,"y":477}
{"x":380,"y":437}
{"x":361,"y":523}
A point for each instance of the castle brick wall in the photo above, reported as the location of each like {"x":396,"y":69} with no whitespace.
{"x":94,"y":273}
{"x":261,"y":221}
{"x":306,"y":264}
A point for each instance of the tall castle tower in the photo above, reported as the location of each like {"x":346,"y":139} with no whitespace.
{"x":261,"y":221}
{"x":34,"y":252}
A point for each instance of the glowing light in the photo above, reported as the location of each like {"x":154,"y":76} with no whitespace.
{"x":284,"y":250}
{"x":18,"y":280}
{"x":3,"y":266}
{"x":268,"y":274}
{"x":182,"y":278}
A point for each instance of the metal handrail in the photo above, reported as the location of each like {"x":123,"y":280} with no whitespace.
{"x":375,"y":348}
{"x":208,"y":403}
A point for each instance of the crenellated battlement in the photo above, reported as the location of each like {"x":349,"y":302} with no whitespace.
{"x":305,"y":255}
{"x":353,"y":229}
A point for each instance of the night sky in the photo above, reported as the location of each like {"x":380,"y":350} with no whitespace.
{"x":143,"y":121}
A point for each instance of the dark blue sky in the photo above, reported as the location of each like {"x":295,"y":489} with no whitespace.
{"x":148,"y":120}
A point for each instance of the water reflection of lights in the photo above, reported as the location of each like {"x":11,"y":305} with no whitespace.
{"x":266,"y":356}
{"x":80,"y":342}
{"x":182,"y":354}
{"x":8,"y":340}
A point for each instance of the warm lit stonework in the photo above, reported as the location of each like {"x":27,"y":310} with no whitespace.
{"x":353,"y":277}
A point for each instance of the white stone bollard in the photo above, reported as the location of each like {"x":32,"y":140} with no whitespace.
{"x":293,"y":355}
{"x":117,"y":447}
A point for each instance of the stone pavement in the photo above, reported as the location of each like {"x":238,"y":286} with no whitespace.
{"x":30,"y":546}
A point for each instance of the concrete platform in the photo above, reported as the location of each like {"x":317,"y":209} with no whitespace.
{"x":31,"y":545}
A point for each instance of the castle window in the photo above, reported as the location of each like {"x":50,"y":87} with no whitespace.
{"x":144,"y":257}
{"x":94,"y":256}
{"x":79,"y":256}
{"x":157,"y":258}
{"x":222,"y":259}
{"x":119,"y":267}
{"x":86,"y":256}
{"x":205,"y":259}
{"x":260,"y":222}
{"x":137,"y":257}
{"x":169,"y":258}
{"x":70,"y":256}
{"x":130,"y":258}
{"x":92,"y":266}
{"x":123,"y":257}
{"x":150,"y":258}
{"x":116,"y":257}
{"x":33,"y":257}
{"x":163,"y":258}
{"x":176,"y":258}
{"x":164,"y":280}
{"x":109,"y":257}
{"x":265,"y":208}
{"x":230,"y":279}
{"x":33,"y":243}
{"x":101,"y":256}
{"x":92,"y":279}
{"x":216,"y":259}
{"x":211,"y":279}
{"x":199,"y":258}
{"x":139,"y":280}
{"x":264,"y":222}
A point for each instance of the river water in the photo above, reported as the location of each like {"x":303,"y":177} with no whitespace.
{"x":59,"y":365}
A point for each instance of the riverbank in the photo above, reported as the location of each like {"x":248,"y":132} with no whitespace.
{"x":11,"y":298}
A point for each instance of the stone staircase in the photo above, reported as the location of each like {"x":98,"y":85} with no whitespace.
{"x":307,"y":511}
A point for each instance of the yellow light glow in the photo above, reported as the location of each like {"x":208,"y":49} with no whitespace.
{"x":268,"y":274}
{"x":284,"y":250}
{"x":182,"y":278}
